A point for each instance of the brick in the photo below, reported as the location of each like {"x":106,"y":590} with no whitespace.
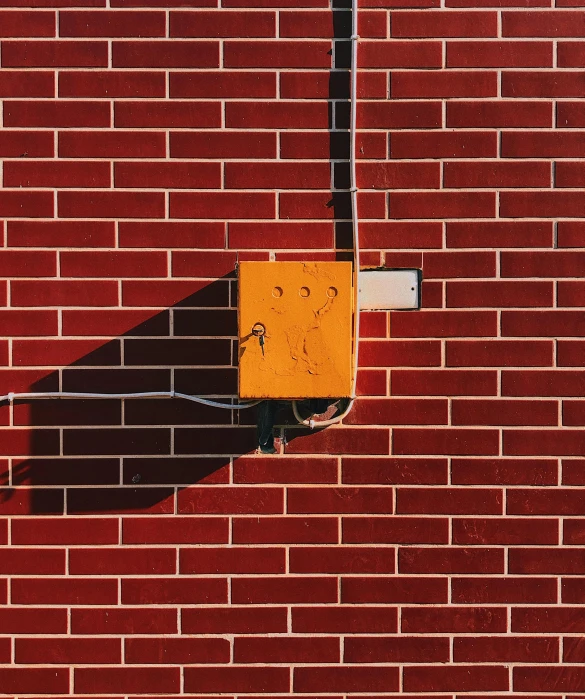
{"x":344,"y":619}
{"x":220,"y":205}
{"x":547,"y":561}
{"x":315,"y":84}
{"x":113,"y":264}
{"x":286,"y":650}
{"x":417,"y":84}
{"x":237,"y":679}
{"x":223,"y":24}
{"x":122,"y":561}
{"x":315,"y":145}
{"x":568,"y":174}
{"x":321,"y":205}
{"x":203,"y":264}
{"x":541,"y":383}
{"x":572,"y":649}
{"x":175,"y":591}
{"x":17,"y":442}
{"x":443,"y":24}
{"x":23,"y":144}
{"x":570,"y":55}
{"x":572,"y":593}
{"x":110,"y":84}
{"x":23,"y":23}
{"x":232,"y":560}
{"x":74,"y":204}
{"x":41,"y":113}
{"x":546,"y":204}
{"x":513,"y":234}
{"x":121,"y":500}
{"x":63,"y":293}
{"x":83,"y":144}
{"x":20,"y":83}
{"x":547,"y":443}
{"x":445,"y":441}
{"x":548,"y":620}
{"x":29,"y":204}
{"x":127,"y":679}
{"x":176,"y":650}
{"x":24,"y":561}
{"x":394,"y":470}
{"x":456,"y":144}
{"x":60,"y":234}
{"x":541,"y":501}
{"x":499,"y":54}
{"x":501,"y":113}
{"x":235,"y":620}
{"x":21,"y":263}
{"x":572,"y":475}
{"x":501,"y":591}
{"x":444,"y":204}
{"x":400,"y":54}
{"x":395,"y":650}
{"x":34,"y":680}
{"x":443,"y":382}
{"x":397,"y":353}
{"x":453,"y":620}
{"x":573,"y":413}
{"x":498,"y":294}
{"x":570,"y":353}
{"x":444,"y":324}
{"x":280,"y":54}
{"x":397,"y":115}
{"x":504,"y":412}
{"x":277,"y":115}
{"x":276,"y":176}
{"x":398,"y":175}
{"x":280,"y":234}
{"x":392,"y":590}
{"x":172,"y":234}
{"x":553,"y":23}
{"x":570,"y":114}
{"x":116,"y":620}
{"x":111,"y":24}
{"x":339,"y":500}
{"x":386,"y":530}
{"x":504,"y":471}
{"x":450,"y":560}
{"x":399,"y":411}
{"x":497,"y":175}
{"x":542,"y":84}
{"x":278,"y":590}
{"x":397,"y":234}
{"x":285,"y":530}
{"x":346,"y":560}
{"x":508,"y":531}
{"x":33,"y":621}
{"x":225,"y":84}
{"x":167,"y":114}
{"x":175,"y":530}
{"x":64,"y":592}
{"x":314,"y":24}
{"x":165,"y":54}
{"x":541,"y":323}
{"x":536,"y":144}
{"x":549,"y":679}
{"x":240,"y":500}
{"x":168,"y":175}
{"x":346,"y":679}
{"x":70,"y":531}
{"x":295,"y":470}
{"x":53,"y":54}
{"x":458,"y":679}
{"x":68,"y":651}
{"x":60,"y":174}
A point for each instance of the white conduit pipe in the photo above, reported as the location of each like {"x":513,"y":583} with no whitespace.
{"x":10,"y":397}
{"x":355,"y":225}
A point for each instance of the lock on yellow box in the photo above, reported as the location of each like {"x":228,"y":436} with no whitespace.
{"x":295,"y":329}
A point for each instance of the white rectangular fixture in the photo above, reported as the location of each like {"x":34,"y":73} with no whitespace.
{"x":390,"y":289}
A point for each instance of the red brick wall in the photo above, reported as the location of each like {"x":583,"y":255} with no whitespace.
{"x":431,"y":544}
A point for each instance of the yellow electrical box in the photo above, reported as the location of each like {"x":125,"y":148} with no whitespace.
{"x":295,"y":329}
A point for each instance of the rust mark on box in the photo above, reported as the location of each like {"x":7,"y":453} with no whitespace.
{"x":306,"y":309}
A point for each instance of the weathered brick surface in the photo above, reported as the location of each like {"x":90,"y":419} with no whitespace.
{"x":433,"y":545}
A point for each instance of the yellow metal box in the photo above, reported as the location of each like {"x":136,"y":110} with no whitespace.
{"x":295,"y":329}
